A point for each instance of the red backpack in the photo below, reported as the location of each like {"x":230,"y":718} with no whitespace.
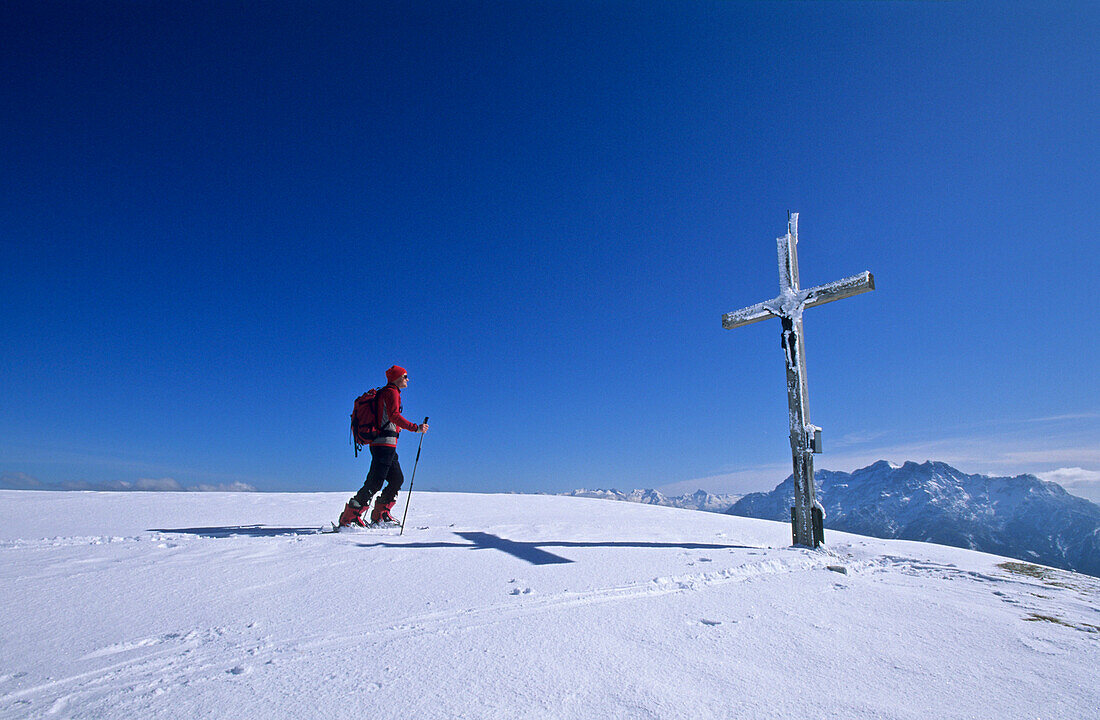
{"x":364,"y":419}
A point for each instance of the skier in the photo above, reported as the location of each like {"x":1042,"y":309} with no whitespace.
{"x":384,"y":467}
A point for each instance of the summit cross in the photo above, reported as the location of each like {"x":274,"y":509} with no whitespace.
{"x":807,"y":517}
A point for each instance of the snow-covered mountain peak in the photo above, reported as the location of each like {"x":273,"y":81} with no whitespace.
{"x":1019,"y":516}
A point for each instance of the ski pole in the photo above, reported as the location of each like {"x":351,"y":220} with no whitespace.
{"x":409,"y":495}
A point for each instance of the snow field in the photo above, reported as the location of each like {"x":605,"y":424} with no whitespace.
{"x":183,"y":605}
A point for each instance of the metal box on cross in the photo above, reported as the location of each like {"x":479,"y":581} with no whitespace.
{"x":806,"y":516}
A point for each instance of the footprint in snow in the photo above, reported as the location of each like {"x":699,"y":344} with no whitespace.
{"x":710,"y":623}
{"x":519,"y":591}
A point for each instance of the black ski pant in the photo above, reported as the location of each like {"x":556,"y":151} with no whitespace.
{"x":384,"y":468}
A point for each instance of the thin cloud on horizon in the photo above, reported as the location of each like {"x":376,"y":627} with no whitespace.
{"x":23,"y":481}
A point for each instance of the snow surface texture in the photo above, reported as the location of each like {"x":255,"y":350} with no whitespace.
{"x":179,"y":605}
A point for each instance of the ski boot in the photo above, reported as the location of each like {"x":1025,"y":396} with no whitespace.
{"x":353,"y":514}
{"x":381,"y":513}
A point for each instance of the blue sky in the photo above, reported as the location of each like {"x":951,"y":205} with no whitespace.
{"x":220,"y":222}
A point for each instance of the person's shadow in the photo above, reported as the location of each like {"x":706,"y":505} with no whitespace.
{"x":239,"y":530}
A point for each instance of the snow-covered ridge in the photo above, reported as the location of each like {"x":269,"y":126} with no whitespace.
{"x":698,"y":500}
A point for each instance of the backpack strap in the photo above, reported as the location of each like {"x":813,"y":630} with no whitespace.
{"x":378,"y":412}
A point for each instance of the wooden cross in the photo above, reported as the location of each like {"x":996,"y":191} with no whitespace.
{"x":807,"y":517}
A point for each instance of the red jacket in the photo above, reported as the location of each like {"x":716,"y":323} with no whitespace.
{"x":390,"y":420}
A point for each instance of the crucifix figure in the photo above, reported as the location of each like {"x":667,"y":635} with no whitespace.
{"x":807,"y":517}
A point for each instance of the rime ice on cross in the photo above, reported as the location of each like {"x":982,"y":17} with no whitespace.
{"x":806,"y":515}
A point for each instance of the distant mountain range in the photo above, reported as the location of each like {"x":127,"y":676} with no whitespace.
{"x":22,"y":481}
{"x":1022,"y":517}
{"x":699,"y":500}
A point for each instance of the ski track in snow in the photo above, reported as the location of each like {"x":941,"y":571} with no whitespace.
{"x":478,"y":618}
{"x":153,"y":665}
{"x":173,"y":659}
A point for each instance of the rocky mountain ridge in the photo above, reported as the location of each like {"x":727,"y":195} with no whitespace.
{"x":1022,"y":516}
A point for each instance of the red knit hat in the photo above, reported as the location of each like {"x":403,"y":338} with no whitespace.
{"x":395,"y":372}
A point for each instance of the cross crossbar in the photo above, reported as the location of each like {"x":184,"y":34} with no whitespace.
{"x":838,"y":290}
{"x":846,"y":288}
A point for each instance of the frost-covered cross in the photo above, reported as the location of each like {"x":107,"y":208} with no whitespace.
{"x":807,"y":517}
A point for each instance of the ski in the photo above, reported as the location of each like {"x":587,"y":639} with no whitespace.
{"x":334,"y":528}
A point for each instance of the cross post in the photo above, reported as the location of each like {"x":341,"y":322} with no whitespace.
{"x":807,"y":516}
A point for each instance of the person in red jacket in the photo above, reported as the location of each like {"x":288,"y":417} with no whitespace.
{"x":384,"y":468}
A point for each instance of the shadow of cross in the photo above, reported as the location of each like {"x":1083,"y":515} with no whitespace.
{"x":526,"y":551}
{"x":523,"y":550}
{"x":533,"y":553}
